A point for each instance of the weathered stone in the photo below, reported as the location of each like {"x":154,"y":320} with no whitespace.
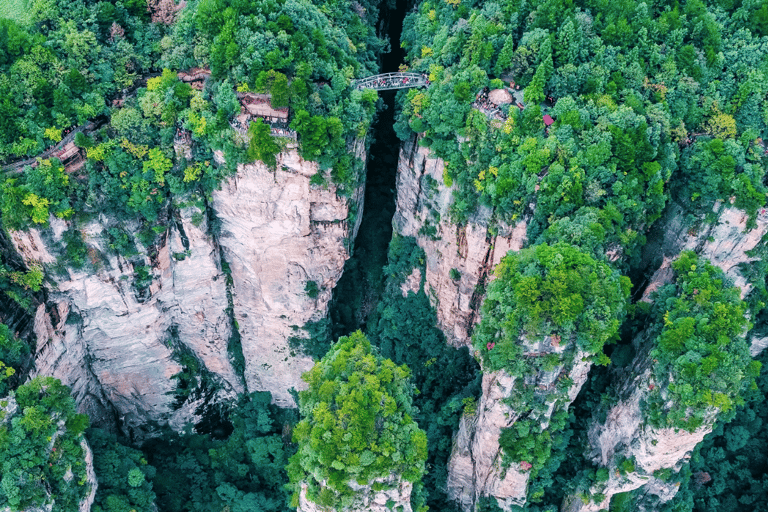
{"x":278,"y":233}
{"x":471,"y":250}
{"x":725,"y":242}
{"x":475,"y":468}
{"x":119,"y":348}
{"x":397,"y":496}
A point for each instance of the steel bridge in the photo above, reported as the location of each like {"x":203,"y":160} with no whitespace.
{"x":392,"y":81}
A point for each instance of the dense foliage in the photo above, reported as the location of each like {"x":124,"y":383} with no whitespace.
{"x":357,"y":425}
{"x":302,"y":53}
{"x":727,"y":472}
{"x":629,"y":114}
{"x":58,"y":69}
{"x":447,"y":379}
{"x":125,"y":478}
{"x":101,"y":63}
{"x":40,"y":454}
{"x":650,"y":101}
{"x":703,"y":358}
{"x":557,"y":291}
{"x":244,"y":472}
{"x":12,"y":353}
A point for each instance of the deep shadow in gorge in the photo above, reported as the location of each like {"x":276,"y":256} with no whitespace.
{"x":360,"y":286}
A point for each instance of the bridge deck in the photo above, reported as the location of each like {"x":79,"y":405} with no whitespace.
{"x":391,"y":81}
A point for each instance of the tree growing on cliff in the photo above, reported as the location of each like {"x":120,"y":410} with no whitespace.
{"x":357,"y":426}
{"x":40,"y":453}
{"x":557,"y":291}
{"x":703,"y":366}
{"x":261,"y":145}
{"x":12,"y":350}
{"x":125,"y":478}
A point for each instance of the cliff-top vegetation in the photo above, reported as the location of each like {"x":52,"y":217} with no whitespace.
{"x":357,"y":426}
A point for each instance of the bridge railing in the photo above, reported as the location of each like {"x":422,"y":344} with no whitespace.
{"x":389,"y":81}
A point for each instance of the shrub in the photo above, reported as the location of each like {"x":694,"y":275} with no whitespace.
{"x":312,"y":289}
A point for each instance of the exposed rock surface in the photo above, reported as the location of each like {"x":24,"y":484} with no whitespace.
{"x":114,"y":343}
{"x":397,"y":496}
{"x":423,"y":201}
{"x":475,"y":468}
{"x":278,"y":233}
{"x":725,"y":242}
{"x":118,"y":342}
{"x":87,"y":503}
{"x":625,"y":435}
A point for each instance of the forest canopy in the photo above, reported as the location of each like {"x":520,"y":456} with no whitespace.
{"x":556,"y":291}
{"x":357,"y":425}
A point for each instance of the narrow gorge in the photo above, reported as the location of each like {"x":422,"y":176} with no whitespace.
{"x":356,"y":256}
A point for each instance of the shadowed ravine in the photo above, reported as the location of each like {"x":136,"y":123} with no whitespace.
{"x":359,"y":289}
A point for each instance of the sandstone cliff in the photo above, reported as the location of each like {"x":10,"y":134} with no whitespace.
{"x":279,"y":233}
{"x":726,"y":242}
{"x":396,"y":496}
{"x":423,"y":202}
{"x":624,"y":434}
{"x":117,"y":343}
{"x":477,"y":467}
{"x":147,"y":339}
{"x":473,"y":250}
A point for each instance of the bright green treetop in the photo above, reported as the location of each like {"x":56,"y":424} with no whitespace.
{"x":545,"y":290}
{"x":700,"y":351}
{"x":357,"y":424}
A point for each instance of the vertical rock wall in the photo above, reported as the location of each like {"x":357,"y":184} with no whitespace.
{"x":396,"y":496}
{"x":114,"y":344}
{"x":472,"y":250}
{"x":120,"y":347}
{"x":477,"y":468}
{"x":278,"y":233}
{"x":727,"y":243}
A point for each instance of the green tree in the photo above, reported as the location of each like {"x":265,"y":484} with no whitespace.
{"x":357,"y":424}
{"x":545,"y":290}
{"x":125,"y":478}
{"x":37,"y":455}
{"x":12,"y":352}
{"x":262,"y":145}
{"x":702,"y":358}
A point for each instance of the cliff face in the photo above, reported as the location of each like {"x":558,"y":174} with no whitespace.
{"x":279,"y":233}
{"x":473,"y":250}
{"x":476,"y":468}
{"x":459,"y":263}
{"x":623,"y":434}
{"x":396,"y":496}
{"x":726,"y":242}
{"x":118,"y":344}
{"x":148,"y":339}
